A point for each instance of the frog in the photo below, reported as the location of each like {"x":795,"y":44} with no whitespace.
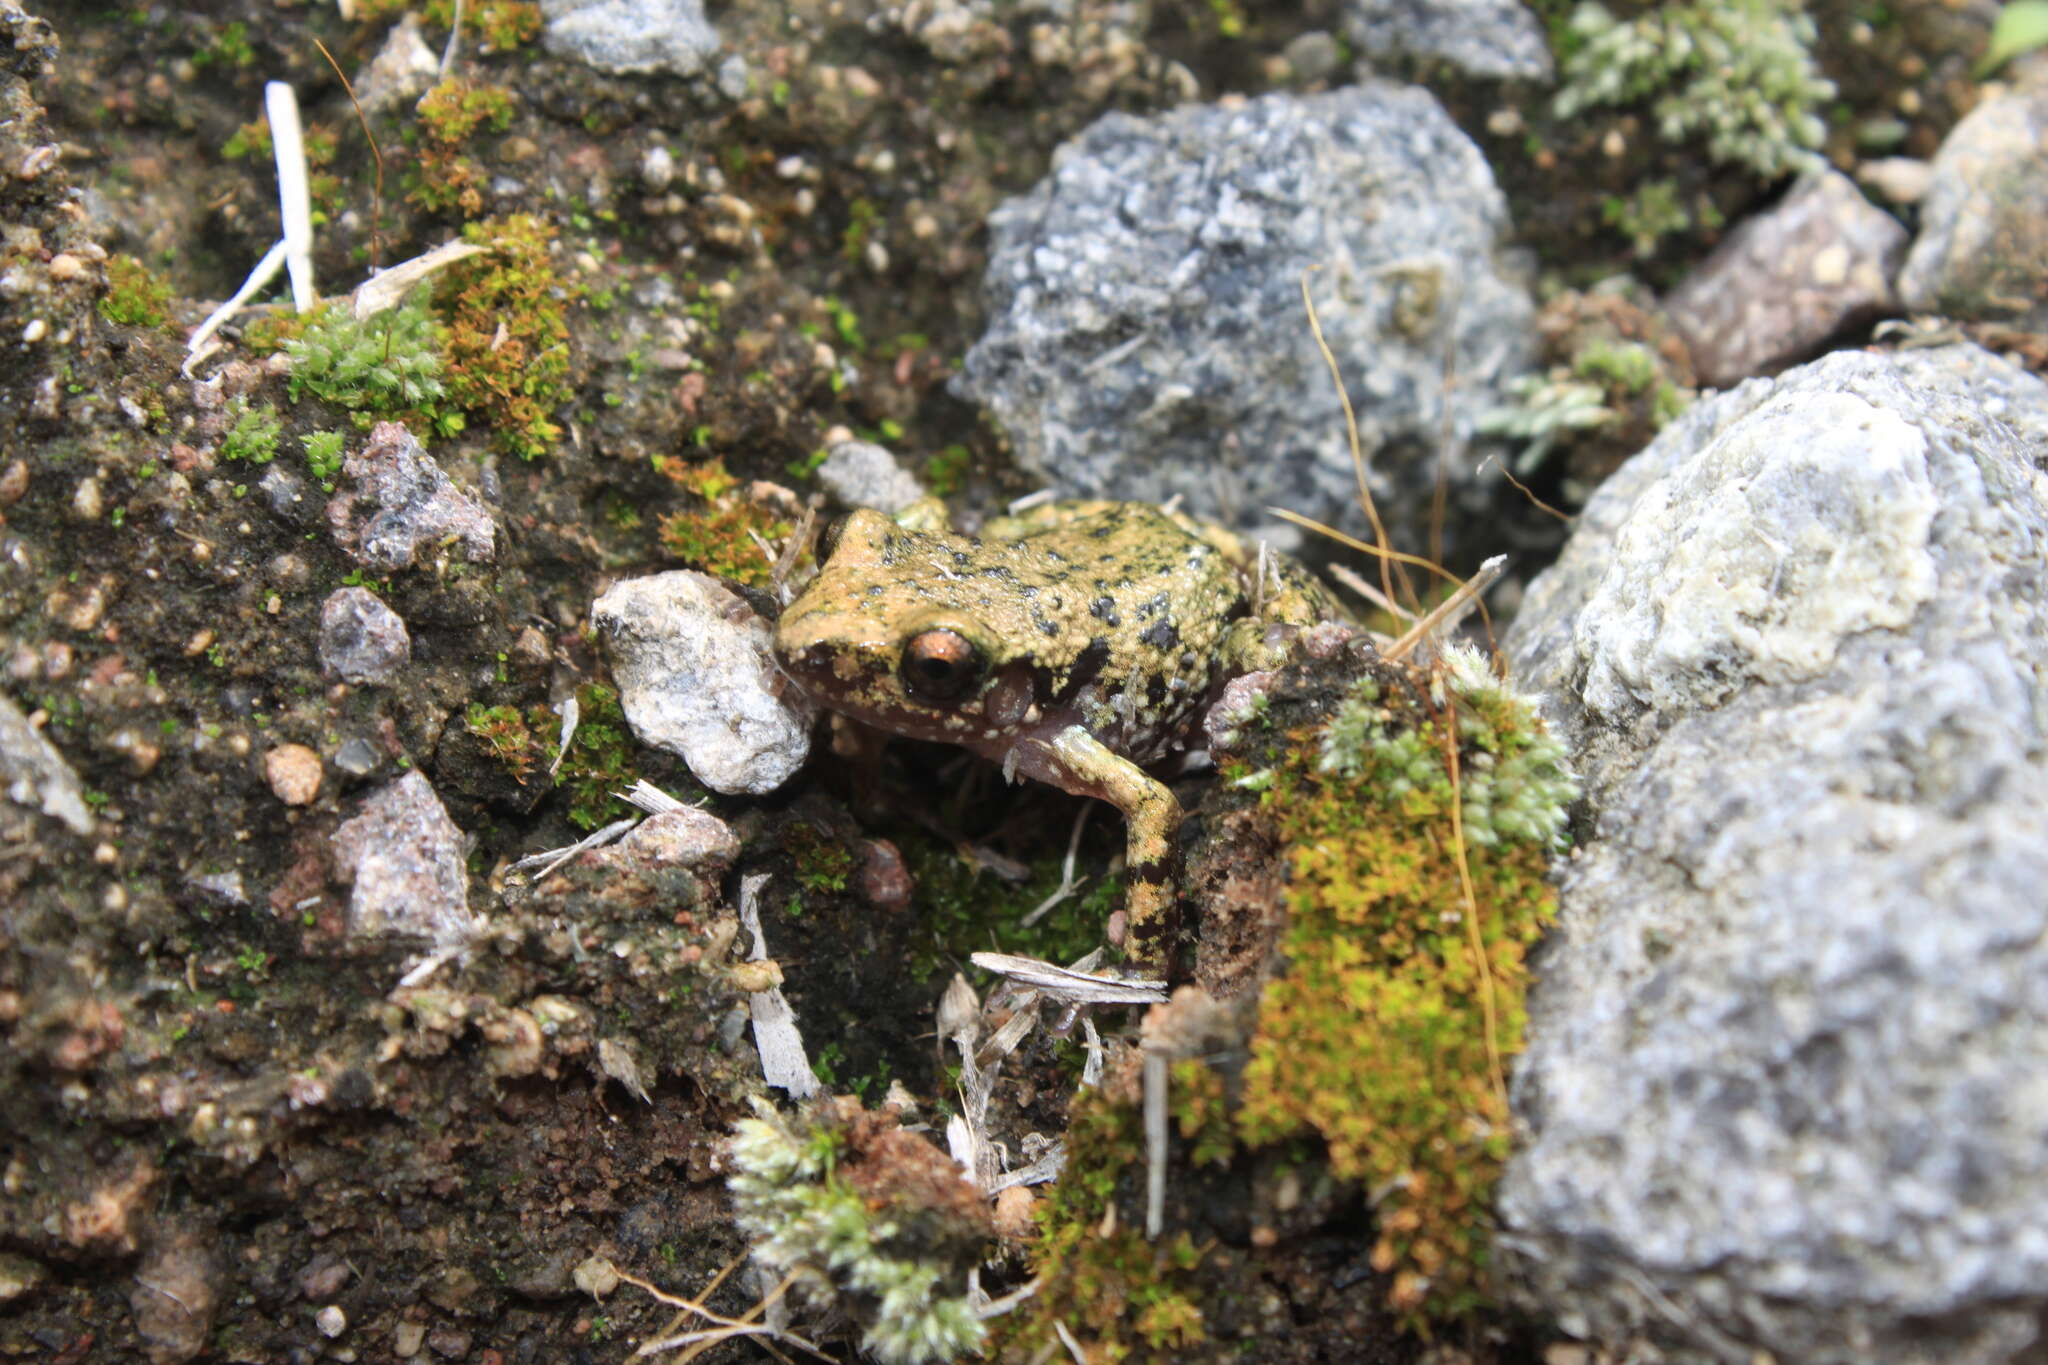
{"x":1077,"y":644}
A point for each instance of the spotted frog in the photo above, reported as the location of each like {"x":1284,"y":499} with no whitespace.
{"x":1076,"y":644}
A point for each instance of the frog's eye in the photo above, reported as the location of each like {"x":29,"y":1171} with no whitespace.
{"x":828,"y":539}
{"x":940,"y":665}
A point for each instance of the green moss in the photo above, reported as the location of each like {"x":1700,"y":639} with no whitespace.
{"x":1388,"y":1034}
{"x":718,"y":537}
{"x":599,"y":762}
{"x":1099,"y":1276}
{"x":962,"y":908}
{"x":507,"y":348}
{"x":495,"y":25}
{"x":1740,"y":73}
{"x":386,"y":366}
{"x":323,"y":455}
{"x":823,"y":864}
{"x":255,"y":433}
{"x":442,"y":179}
{"x":136,"y":295}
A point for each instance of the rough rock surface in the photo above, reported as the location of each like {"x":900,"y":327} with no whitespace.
{"x":35,"y":775}
{"x":405,"y":858}
{"x":397,"y":504}
{"x":1782,"y":1084}
{"x":1147,"y":337}
{"x":632,"y":37}
{"x":361,"y":639}
{"x":1494,"y":38}
{"x":1982,"y":252}
{"x":691,"y":662}
{"x":1786,"y":280}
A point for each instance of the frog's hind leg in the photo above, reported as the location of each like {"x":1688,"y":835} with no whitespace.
{"x":1080,"y":763}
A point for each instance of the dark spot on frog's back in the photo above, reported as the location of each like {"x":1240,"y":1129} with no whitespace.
{"x":1152,"y":606}
{"x":1086,"y":668}
{"x":1103,"y":609}
{"x":1160,"y":635}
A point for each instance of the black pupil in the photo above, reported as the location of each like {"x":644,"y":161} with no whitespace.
{"x":939,"y":666}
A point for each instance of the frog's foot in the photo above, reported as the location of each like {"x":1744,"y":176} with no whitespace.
{"x":1076,"y":761}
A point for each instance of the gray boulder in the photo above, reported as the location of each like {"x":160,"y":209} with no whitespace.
{"x":1782,"y":1091}
{"x":1147,"y":338}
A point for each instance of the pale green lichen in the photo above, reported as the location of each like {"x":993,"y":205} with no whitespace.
{"x":803,"y":1219}
{"x":1740,"y":73}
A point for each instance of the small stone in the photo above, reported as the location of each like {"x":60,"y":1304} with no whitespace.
{"x":36,"y":330}
{"x":692,"y":666}
{"x":13,"y":483}
{"x":293,"y":771}
{"x":1014,"y":1213}
{"x":18,"y":1276}
{"x":657,"y":168}
{"x":86,"y":500}
{"x":1313,"y":56}
{"x":448,"y":1343}
{"x":357,"y":757}
{"x":65,"y":267}
{"x":175,"y":1293}
{"x":361,"y":639}
{"x":1491,"y":39}
{"x":631,"y":37}
{"x":1982,"y":252}
{"x":682,"y":838}
{"x":1785,"y":280}
{"x":405,"y":858}
{"x":403,"y":69}
{"x":35,"y":775}
{"x":324,"y":1277}
{"x":396,"y":503}
{"x":1900,"y":179}
{"x":863,"y":474}
{"x":596,"y":1277}
{"x":331,"y":1321}
{"x":407,"y":1338}
{"x":885,"y":880}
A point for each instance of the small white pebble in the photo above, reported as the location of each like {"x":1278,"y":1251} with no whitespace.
{"x":331,"y":1321}
{"x":36,"y":330}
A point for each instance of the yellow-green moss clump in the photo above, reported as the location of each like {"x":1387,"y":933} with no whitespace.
{"x":718,"y":537}
{"x":507,"y":350}
{"x":136,"y":295}
{"x":443,"y":179}
{"x":1125,"y":1296}
{"x":1390,"y":1032}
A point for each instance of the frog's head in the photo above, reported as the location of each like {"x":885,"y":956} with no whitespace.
{"x":897,"y":631}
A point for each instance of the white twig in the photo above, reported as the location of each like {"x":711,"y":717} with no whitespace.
{"x":547,"y":860}
{"x":294,"y":199}
{"x":1064,"y":983}
{"x":1068,"y":885}
{"x":385,"y":288}
{"x":196,"y":349}
{"x":1451,"y":610}
{"x":1155,"y":1145}
{"x":651,"y":799}
{"x":784,"y":1063}
{"x":572,"y":716}
{"x":454,"y":36}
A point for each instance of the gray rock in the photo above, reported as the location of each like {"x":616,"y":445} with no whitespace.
{"x":403,"y":69}
{"x":692,"y":664}
{"x":1786,"y":280}
{"x":862,"y":474}
{"x":35,"y":775}
{"x":1500,"y":39}
{"x":395,"y":504}
{"x":1782,"y":1087}
{"x":405,"y":858}
{"x":361,"y":639}
{"x":678,"y":838}
{"x":631,"y":37}
{"x":1982,"y":252}
{"x":1147,"y":337}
